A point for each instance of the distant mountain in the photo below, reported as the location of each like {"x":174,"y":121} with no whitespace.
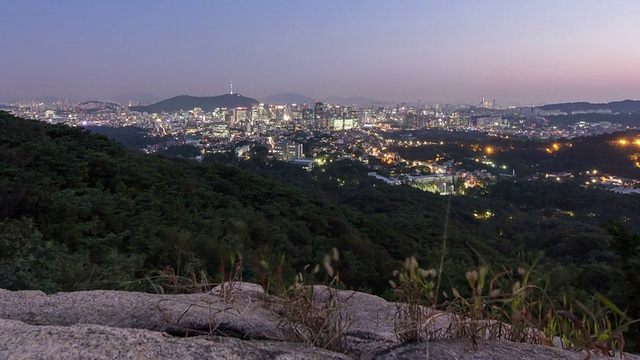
{"x":4,"y":106}
{"x":134,"y":97}
{"x":353,"y":100}
{"x":49,"y":99}
{"x":626,"y":119}
{"x":187,"y":102}
{"x":624,"y":106}
{"x":287,"y":98}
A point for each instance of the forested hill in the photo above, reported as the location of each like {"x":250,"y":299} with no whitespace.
{"x":206,"y":103}
{"x":624,"y":106}
{"x":78,"y":211}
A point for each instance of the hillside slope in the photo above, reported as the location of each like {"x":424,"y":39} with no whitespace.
{"x":624,"y":106}
{"x":206,"y":103}
{"x":81,"y":212}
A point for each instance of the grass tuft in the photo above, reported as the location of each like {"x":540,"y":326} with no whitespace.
{"x":504,"y":306}
{"x":313,"y":322}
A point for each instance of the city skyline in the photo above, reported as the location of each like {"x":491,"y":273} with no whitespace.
{"x":458,"y":51}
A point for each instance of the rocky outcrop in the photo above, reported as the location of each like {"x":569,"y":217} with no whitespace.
{"x":22,"y":341}
{"x":243,"y":314}
{"x":233,"y":321}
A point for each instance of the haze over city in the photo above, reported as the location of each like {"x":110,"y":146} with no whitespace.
{"x":455,"y":51}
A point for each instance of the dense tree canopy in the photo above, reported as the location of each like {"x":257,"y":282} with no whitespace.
{"x":79,"y":211}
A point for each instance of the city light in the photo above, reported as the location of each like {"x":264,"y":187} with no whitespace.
{"x":483,"y":216}
{"x":328,"y":139}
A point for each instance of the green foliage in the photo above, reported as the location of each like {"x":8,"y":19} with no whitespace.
{"x":507,"y":306}
{"x":626,"y":278}
{"x":111,"y":217}
{"x":78,"y":211}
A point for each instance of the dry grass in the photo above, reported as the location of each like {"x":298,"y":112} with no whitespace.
{"x":505,"y":306}
{"x":306,"y":320}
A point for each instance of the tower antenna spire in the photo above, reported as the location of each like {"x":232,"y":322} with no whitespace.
{"x":231,"y":87}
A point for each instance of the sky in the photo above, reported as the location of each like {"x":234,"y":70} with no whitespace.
{"x":449,"y":51}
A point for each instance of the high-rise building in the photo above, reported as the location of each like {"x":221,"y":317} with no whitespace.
{"x":337,"y":123}
{"x":258,"y":112}
{"x":320,"y":116}
{"x":307,"y":116}
{"x":413,"y":121}
{"x":287,"y":150}
{"x":240,"y":114}
{"x":219,"y":129}
{"x":350,"y":123}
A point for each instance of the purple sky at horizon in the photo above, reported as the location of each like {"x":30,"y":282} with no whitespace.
{"x":526,"y":52}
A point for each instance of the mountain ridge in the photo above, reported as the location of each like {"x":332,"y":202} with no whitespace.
{"x":135,"y":97}
{"x":625,"y":106}
{"x":188,"y":102}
